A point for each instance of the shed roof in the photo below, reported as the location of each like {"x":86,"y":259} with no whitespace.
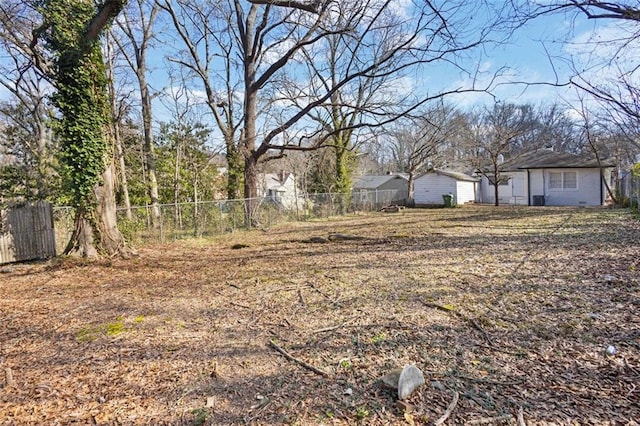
{"x":548,"y":159}
{"x":454,"y":175}
{"x":373,"y":182}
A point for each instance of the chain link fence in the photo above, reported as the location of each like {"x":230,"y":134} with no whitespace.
{"x":629,"y":188}
{"x":208,"y":218}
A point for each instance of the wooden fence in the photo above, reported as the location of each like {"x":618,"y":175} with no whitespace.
{"x":26,"y":233}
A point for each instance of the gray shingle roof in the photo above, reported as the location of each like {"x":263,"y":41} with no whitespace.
{"x":373,"y":182}
{"x":547,"y":159}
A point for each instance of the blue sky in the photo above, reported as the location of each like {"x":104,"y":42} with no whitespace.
{"x":525,"y":55}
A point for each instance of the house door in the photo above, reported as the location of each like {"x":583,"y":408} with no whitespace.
{"x":518,"y":189}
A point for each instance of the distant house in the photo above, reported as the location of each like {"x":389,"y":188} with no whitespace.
{"x":381,"y":189}
{"x":431,"y":186}
{"x":279,"y":188}
{"x":545,"y":177}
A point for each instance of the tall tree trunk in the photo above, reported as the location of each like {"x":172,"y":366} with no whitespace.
{"x":115,"y":126}
{"x":99,"y":228}
{"x":111,"y":240}
{"x":123,"y":170}
{"x":251,"y":191}
{"x":176,"y":187}
{"x":410,"y":190}
{"x":235,"y":170}
{"x":343,"y":174}
{"x":149,"y":154}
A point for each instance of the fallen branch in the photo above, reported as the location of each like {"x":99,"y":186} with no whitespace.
{"x":290,"y":357}
{"x":450,"y":409}
{"x":240,"y":305}
{"x":335,"y":327}
{"x":463,"y":317}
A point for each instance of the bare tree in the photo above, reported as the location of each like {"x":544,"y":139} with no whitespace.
{"x":605,"y":65}
{"x":27,"y":112}
{"x":495,"y":131}
{"x":415,"y":142}
{"x":137,"y":27}
{"x":210,"y":53}
{"x":352,"y":52}
{"x":360,"y":79}
{"x":118,"y":111}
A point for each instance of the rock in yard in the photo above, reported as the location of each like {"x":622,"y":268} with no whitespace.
{"x":405,"y":380}
{"x":318,"y":240}
{"x":411,"y":379}
{"x":391,"y":379}
{"x":343,"y":237}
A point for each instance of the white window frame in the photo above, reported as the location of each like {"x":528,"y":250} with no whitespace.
{"x":563,"y":180}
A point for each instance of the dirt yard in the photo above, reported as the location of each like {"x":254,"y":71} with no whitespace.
{"x":508,"y":312}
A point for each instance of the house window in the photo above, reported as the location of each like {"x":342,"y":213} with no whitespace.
{"x":563,"y":180}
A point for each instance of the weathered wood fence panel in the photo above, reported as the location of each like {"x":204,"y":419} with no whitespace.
{"x":27,"y":233}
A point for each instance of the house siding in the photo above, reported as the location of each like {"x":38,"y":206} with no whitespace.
{"x":465,"y":192}
{"x":429,"y":189}
{"x":286,"y":190}
{"x":536,"y":183}
{"x":515,"y":192}
{"x":587,"y":193}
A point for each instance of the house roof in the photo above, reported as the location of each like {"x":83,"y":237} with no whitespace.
{"x":548,"y":159}
{"x":273,"y":180}
{"x":455,"y":175}
{"x":372,"y":182}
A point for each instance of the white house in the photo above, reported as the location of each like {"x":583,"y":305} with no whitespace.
{"x":545,"y":177}
{"x":279,"y":188}
{"x":431,"y":186}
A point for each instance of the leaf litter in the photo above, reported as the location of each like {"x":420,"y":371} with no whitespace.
{"x":508,"y":312}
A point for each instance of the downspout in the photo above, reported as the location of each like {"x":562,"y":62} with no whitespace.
{"x":528,"y":187}
{"x":601,"y":185}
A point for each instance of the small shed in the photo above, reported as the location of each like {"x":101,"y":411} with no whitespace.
{"x":431,"y":186}
{"x":392,"y":188}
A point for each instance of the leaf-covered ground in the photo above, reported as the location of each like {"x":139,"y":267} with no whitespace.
{"x":510,"y":309}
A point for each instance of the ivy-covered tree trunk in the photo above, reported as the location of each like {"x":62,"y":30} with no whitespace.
{"x":71,"y":31}
{"x":235,"y":170}
{"x":344,"y":165}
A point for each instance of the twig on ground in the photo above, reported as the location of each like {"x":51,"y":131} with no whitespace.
{"x":8,"y":373}
{"x":335,"y":327}
{"x":463,"y":317}
{"x":450,"y":409}
{"x":288,"y":288}
{"x":290,"y":357}
{"x":233,"y":285}
{"x":301,"y":297}
{"x":521,"y":421}
{"x":240,"y":305}
{"x":490,"y":420}
{"x":325,"y":295}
